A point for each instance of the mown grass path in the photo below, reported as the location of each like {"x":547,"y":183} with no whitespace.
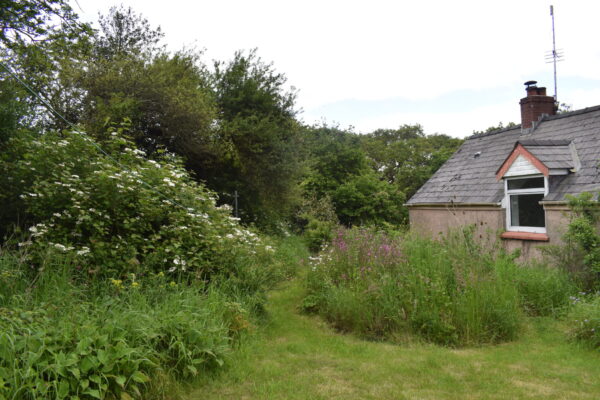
{"x":299,"y":357}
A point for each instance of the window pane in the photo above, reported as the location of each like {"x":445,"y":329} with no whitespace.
{"x":525,"y":183}
{"x":525,"y":210}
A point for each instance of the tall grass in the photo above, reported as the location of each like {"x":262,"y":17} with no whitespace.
{"x":454,"y":292}
{"x":63,"y":333}
{"x":584,"y":320}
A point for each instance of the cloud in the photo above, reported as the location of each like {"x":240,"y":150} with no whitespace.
{"x":339,"y":52}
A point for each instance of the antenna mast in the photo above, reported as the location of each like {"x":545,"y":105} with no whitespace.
{"x":555,"y":55}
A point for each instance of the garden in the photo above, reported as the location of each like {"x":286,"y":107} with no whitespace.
{"x":171,"y":229}
{"x":122,"y":278}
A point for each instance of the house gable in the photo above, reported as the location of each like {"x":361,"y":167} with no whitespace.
{"x":522,"y":166}
{"x":521,"y":162}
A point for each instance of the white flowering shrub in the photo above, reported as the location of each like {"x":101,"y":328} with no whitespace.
{"x":116,"y":214}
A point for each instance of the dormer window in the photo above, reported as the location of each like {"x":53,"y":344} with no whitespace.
{"x":525,"y":172}
{"x":524,"y":213}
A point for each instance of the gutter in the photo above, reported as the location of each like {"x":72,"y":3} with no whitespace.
{"x":453,"y":205}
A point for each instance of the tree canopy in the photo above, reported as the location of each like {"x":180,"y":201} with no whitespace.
{"x":235,"y":123}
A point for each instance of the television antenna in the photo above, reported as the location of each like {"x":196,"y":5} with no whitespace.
{"x":554,"y":55}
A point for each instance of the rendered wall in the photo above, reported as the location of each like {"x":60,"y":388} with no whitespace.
{"x":489,"y":221}
{"x":434,"y":221}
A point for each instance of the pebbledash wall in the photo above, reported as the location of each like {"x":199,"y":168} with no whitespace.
{"x":437,"y":220}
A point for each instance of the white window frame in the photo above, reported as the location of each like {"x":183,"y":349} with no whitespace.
{"x":508,"y":193}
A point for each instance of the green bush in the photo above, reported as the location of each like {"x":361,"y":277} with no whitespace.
{"x":580,"y":252}
{"x":116,"y":214}
{"x":318,"y":220}
{"x":317,"y":233}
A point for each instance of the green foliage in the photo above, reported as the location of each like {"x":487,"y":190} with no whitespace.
{"x":339,"y":170}
{"x":335,"y":157}
{"x":39,"y":40}
{"x":138,"y":215}
{"x":584,"y":320}
{"x":131,"y":338}
{"x":165,"y":96}
{"x":494,"y":128}
{"x":25,"y":21}
{"x":124,"y":33}
{"x":166,"y":99}
{"x":544,"y":291}
{"x":258,"y":149}
{"x":453,"y":292}
{"x":365,"y":199}
{"x":317,"y":233}
{"x":580,"y":253}
{"x":406,"y":156}
{"x":12,"y":111}
{"x":318,"y":220}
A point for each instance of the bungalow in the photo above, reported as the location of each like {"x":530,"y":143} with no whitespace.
{"x":515,"y":180}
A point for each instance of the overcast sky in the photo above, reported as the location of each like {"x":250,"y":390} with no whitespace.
{"x":451,"y":66}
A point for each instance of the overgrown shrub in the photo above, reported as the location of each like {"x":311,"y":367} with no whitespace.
{"x":580,"y":252}
{"x":318,"y":220}
{"x":126,"y":278}
{"x":453,"y":291}
{"x":118,"y":213}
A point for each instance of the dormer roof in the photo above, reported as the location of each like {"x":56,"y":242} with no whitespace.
{"x":546,"y":157}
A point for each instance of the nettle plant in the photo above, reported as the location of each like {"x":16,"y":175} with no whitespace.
{"x":118,"y":214}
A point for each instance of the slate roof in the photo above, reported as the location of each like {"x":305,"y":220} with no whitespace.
{"x":554,"y":154}
{"x":469,"y":175}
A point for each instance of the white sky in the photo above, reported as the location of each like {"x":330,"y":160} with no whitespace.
{"x":451,"y":66}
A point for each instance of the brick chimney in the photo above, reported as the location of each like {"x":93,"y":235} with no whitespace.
{"x":535,"y":105}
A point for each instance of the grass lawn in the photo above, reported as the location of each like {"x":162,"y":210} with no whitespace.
{"x":300,"y":357}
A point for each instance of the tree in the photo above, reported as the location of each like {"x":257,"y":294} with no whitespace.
{"x":128,"y":75}
{"x":495,"y":128}
{"x":339,"y":169}
{"x":12,"y":110}
{"x":37,"y":39}
{"x":335,"y":156}
{"x":124,"y":33}
{"x":366,"y":199}
{"x":25,"y":21}
{"x":406,"y":156}
{"x":258,"y":137}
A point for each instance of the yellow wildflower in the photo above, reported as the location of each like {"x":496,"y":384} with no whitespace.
{"x":117,"y":282}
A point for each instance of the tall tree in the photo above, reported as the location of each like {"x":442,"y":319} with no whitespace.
{"x":259,"y":139}
{"x":37,"y":39}
{"x":406,"y":156}
{"x":124,"y":33}
{"x":340,"y":170}
{"x":25,"y":21}
{"x":167,"y":97}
